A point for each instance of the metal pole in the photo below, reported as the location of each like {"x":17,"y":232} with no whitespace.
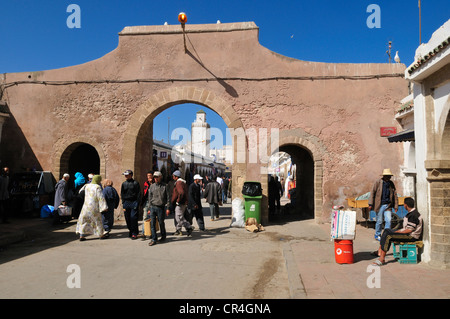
{"x":420,"y":23}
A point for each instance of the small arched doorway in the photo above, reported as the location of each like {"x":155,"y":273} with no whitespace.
{"x":84,"y":159}
{"x":80,"y":157}
{"x":296,"y":175}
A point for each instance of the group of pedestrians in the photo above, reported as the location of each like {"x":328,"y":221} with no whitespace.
{"x":94,"y":201}
{"x":176,"y":197}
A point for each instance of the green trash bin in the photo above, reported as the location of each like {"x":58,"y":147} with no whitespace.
{"x":252,"y":193}
{"x":252,"y":207}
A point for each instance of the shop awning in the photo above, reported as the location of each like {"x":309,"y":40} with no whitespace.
{"x":404,"y":136}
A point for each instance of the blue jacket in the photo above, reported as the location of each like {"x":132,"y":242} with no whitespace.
{"x":111,"y":197}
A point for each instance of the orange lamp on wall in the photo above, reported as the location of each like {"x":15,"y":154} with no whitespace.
{"x":182,"y":17}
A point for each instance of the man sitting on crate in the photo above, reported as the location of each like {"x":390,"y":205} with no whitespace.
{"x":411,"y":231}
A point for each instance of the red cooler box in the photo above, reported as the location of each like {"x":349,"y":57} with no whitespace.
{"x":343,"y":251}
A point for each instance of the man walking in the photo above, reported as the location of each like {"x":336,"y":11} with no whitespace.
{"x":383,"y":199}
{"x":61,"y":192}
{"x":180,"y":198}
{"x":195,"y":203}
{"x":130,"y":193}
{"x":158,"y":198}
{"x":4,"y":194}
{"x":213,"y":195}
{"x":225,"y":184}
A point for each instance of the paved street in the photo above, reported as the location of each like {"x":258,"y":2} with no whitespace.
{"x":221,"y":263}
{"x":289,"y":259}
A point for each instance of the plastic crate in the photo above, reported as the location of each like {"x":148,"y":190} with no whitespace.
{"x":405,"y":253}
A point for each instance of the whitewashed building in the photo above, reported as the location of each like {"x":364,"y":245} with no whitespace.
{"x":430,"y":78}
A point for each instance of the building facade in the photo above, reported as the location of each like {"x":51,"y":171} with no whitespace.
{"x":327,"y":116}
{"x":430,"y":77}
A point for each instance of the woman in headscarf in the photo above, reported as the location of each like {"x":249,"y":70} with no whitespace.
{"x":78,"y":198}
{"x":90,"y":220}
{"x":79,"y":180}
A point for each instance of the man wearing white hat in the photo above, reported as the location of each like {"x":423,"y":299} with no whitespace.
{"x":195,"y":203}
{"x":383,"y":199}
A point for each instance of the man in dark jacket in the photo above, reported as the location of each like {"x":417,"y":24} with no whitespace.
{"x":158,"y":200}
{"x":4,"y":194}
{"x":225,"y":184}
{"x":195,"y":203}
{"x":130,"y":193}
{"x":213,"y":195}
{"x":383,"y":199}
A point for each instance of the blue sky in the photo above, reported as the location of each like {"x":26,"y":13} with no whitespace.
{"x":35,"y":35}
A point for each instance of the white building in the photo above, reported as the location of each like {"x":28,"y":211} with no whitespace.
{"x":200,"y":135}
{"x":190,"y":158}
{"x":405,"y":117}
{"x":430,"y":77}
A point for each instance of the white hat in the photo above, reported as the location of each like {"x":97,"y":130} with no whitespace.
{"x":157,"y":173}
{"x":177,"y":173}
{"x":196,"y":176}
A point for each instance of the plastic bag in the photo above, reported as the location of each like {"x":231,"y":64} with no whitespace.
{"x":64,"y":210}
{"x":252,"y":189}
{"x":237,"y":206}
{"x":47,"y":211}
{"x":343,"y":224}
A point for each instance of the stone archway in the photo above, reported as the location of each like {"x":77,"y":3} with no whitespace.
{"x":138,"y":139}
{"x":63,"y":154}
{"x":303,"y":145}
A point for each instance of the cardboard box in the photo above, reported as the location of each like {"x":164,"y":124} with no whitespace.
{"x":147,"y":227}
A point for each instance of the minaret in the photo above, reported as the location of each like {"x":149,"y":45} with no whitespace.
{"x":200,"y":132}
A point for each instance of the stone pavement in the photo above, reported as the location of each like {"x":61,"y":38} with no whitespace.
{"x":322,"y":277}
{"x":308,"y":268}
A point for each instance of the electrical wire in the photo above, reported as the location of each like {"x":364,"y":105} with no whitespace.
{"x":277,"y":78}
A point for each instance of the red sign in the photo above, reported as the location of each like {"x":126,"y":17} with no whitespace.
{"x":387,"y":131}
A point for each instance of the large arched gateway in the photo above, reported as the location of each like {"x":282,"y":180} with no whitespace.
{"x":332,"y":111}
{"x":136,"y":150}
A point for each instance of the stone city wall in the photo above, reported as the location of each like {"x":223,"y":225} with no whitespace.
{"x":334,"y":111}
